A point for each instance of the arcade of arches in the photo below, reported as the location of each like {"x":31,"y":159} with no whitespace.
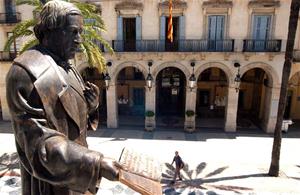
{"x":215,"y":101}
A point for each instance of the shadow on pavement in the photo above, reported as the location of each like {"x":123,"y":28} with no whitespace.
{"x":195,"y":179}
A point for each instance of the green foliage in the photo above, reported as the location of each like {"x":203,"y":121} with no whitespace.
{"x":91,"y":36}
{"x":149,"y":113}
{"x":190,"y":113}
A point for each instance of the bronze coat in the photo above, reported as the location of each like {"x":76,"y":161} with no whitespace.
{"x":50,"y":120}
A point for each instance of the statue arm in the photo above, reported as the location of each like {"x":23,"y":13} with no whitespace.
{"x":45,"y":153}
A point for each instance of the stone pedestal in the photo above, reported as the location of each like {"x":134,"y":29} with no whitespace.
{"x":190,"y":124}
{"x":150,"y":123}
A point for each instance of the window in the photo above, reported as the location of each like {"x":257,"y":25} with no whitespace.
{"x":216,"y":27}
{"x":261,"y":27}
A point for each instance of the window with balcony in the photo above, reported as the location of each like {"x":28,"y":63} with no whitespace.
{"x":10,"y":15}
{"x":129,"y":26}
{"x":261,"y":30}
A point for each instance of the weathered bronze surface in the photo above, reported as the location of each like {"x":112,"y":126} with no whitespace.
{"x":52,"y":109}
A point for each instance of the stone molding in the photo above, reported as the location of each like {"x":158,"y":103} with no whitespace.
{"x":264,"y":4}
{"x":129,"y":8}
{"x":217,"y":4}
{"x":178,"y":6}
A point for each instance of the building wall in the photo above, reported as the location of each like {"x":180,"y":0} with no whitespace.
{"x":4,"y":67}
{"x":238,"y":27}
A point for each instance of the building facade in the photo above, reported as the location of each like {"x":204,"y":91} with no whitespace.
{"x":233,"y":48}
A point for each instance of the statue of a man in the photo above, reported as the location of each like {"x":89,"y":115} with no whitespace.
{"x":52,"y":109}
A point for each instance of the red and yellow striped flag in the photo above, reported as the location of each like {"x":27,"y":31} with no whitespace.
{"x":170,"y":23}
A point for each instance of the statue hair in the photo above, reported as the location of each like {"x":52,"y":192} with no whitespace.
{"x":54,"y":16}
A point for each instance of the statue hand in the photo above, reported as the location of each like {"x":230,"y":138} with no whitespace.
{"x":91,"y":94}
{"x":109,"y":168}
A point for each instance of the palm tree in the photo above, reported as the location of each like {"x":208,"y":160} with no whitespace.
{"x":294,"y":14}
{"x":93,"y":25}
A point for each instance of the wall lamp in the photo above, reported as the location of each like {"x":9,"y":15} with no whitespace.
{"x":107,"y":77}
{"x":237,"y":78}
{"x":192,"y":79}
{"x":149,"y":79}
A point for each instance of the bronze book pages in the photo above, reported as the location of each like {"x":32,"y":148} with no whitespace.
{"x":140,"y":172}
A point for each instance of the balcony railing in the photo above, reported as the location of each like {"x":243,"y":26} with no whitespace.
{"x":297,"y":55}
{"x":251,"y":45}
{"x":12,"y":18}
{"x":177,"y":46}
{"x":7,"y":56}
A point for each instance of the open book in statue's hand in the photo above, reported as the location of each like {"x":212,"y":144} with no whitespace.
{"x":140,"y":172}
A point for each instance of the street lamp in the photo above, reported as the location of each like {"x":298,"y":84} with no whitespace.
{"x":237,"y":78}
{"x":107,"y":77}
{"x":149,"y":79}
{"x":192,"y":79}
{"x":107,"y":80}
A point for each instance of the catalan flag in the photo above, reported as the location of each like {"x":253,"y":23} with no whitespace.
{"x":170,"y":23}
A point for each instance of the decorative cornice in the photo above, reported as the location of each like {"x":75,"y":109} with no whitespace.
{"x":129,"y":5}
{"x":264,"y":3}
{"x":176,"y":4}
{"x":217,"y":4}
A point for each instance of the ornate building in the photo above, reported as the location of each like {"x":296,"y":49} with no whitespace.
{"x":222,"y":71}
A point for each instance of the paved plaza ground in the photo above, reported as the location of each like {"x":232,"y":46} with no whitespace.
{"x":216,"y":162}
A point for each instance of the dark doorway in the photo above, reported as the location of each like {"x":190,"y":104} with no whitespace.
{"x":1,"y":118}
{"x":170,"y":92}
{"x":129,"y":34}
{"x":252,"y":94}
{"x":172,"y":46}
{"x":203,"y":97}
{"x":287,"y":111}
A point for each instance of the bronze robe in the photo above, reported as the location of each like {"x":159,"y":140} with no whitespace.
{"x":50,"y":118}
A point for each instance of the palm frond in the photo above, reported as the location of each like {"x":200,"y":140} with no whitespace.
{"x":29,"y":44}
{"x":21,"y":29}
{"x":92,"y":34}
{"x":34,"y":3}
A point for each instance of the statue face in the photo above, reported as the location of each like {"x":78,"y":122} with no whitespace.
{"x":71,"y":36}
{"x":65,"y":41}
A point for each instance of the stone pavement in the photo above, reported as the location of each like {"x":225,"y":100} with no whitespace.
{"x":215,"y":162}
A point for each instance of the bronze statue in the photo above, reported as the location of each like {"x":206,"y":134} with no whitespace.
{"x":52,"y":109}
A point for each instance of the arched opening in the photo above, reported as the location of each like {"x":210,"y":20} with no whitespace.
{"x":170,"y":97}
{"x":92,"y":75}
{"x":131,"y":97}
{"x":212,"y":92}
{"x":254,"y":99}
{"x":292,"y":109}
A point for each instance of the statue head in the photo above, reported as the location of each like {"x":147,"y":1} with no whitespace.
{"x":59,"y":28}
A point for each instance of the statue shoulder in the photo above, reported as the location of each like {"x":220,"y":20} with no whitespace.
{"x":33,"y":61}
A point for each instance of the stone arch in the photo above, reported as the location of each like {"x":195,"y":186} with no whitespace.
{"x":270,"y":71}
{"x":229,"y":74}
{"x":114,"y":73}
{"x":158,"y":68}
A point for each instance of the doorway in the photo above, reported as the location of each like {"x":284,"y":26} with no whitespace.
{"x":129,"y":34}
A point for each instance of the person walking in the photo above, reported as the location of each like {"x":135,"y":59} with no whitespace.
{"x":178,"y":164}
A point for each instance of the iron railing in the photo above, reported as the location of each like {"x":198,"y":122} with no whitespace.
{"x":251,"y":45}
{"x":202,"y":45}
{"x":7,"y":56}
{"x":10,"y":18}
